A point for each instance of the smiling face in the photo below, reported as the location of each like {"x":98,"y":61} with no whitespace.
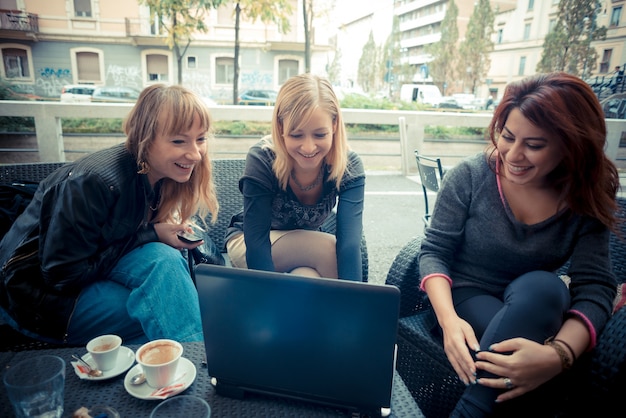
{"x":174,"y":156}
{"x":528,"y":155}
{"x":310,"y":142}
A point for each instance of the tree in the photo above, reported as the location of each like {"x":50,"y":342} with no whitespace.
{"x":277,"y":11}
{"x":366,"y":76}
{"x":307,"y":14}
{"x":322,"y":7}
{"x":180,"y":19}
{"x":474,"y":50}
{"x":445,"y":53}
{"x":334,"y":68}
{"x":393,"y":71}
{"x":567,"y":47}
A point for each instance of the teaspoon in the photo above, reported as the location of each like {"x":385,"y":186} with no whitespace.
{"x":92,"y":370}
{"x":138,"y":379}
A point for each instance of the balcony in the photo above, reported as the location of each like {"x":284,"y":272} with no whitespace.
{"x":15,"y":20}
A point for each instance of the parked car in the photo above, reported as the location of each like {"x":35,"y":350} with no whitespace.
{"x":115,"y":94}
{"x":449,"y":102}
{"x":258,"y":97}
{"x":77,"y":93}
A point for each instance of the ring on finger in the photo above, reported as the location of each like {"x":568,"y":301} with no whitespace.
{"x":507,"y":383}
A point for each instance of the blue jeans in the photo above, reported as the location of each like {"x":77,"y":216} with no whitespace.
{"x":148,"y":295}
{"x":533,"y":307}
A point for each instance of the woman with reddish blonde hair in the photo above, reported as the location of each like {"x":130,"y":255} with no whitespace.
{"x":97,"y":251}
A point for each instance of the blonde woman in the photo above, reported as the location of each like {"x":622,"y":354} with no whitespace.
{"x":104,"y":233}
{"x":292,"y":181}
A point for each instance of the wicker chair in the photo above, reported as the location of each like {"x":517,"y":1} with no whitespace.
{"x":226,"y":177}
{"x":596,"y":383}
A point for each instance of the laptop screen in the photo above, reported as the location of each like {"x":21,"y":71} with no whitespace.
{"x":324,"y":340}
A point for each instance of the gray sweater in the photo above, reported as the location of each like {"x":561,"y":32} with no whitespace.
{"x":475,"y":240}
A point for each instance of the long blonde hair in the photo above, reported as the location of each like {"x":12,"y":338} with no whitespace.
{"x":168,"y":110}
{"x":297,"y":99}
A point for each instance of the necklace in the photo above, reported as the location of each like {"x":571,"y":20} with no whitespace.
{"x":156,"y":206}
{"x":316,"y":183}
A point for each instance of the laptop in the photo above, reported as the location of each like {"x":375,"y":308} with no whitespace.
{"x":321,"y":340}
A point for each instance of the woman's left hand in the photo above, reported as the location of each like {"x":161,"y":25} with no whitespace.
{"x":524,"y":366}
{"x":168,"y":234}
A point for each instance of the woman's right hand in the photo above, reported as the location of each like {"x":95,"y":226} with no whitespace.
{"x":458,"y":339}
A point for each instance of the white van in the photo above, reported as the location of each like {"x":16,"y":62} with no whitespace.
{"x":428,"y":94}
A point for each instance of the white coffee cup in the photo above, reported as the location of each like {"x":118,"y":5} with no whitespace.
{"x":159,"y":361}
{"x":104,"y":350}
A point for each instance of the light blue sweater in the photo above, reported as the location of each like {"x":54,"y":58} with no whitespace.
{"x":475,"y":240}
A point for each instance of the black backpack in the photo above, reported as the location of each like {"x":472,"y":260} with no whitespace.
{"x":13,"y":200}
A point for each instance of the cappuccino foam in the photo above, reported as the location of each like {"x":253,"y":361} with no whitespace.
{"x":159,"y":354}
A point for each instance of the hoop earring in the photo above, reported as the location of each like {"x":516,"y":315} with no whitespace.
{"x":144,"y":168}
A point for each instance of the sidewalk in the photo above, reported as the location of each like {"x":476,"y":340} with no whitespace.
{"x":391,"y":217}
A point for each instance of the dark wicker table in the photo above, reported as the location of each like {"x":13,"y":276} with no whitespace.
{"x":111,"y":392}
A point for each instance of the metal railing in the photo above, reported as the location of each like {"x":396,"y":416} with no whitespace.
{"x":19,"y":21}
{"x":48,"y":117}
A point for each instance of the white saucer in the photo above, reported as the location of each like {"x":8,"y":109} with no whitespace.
{"x":186,"y":369}
{"x":125,"y":359}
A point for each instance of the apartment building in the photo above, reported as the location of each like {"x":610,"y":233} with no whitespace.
{"x":45,"y":45}
{"x":520,"y":33}
{"x":520,"y":28}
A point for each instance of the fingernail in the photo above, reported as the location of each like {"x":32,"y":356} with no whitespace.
{"x":491,"y":347}
{"x":476,"y":348}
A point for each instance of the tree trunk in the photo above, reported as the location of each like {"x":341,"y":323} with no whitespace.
{"x":179,"y":59}
{"x":307,"y":34}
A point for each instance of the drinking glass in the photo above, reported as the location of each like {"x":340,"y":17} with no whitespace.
{"x":182,"y":406}
{"x":36,"y":386}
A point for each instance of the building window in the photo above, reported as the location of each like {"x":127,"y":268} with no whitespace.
{"x":224,"y":70}
{"x":616,"y":16}
{"x":527,"y":31}
{"x":522,"y":65}
{"x":287,"y":68}
{"x":192,"y":63}
{"x":531,"y":4}
{"x":16,"y":63}
{"x":500,"y":32}
{"x":157,"y":68}
{"x":89,"y":67}
{"x":82,"y":8}
{"x":606,"y":60}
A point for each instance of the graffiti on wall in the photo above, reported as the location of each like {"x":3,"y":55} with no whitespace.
{"x":128,"y":76}
{"x":256,"y":80}
{"x":199,"y":82}
{"x":55,"y":73}
{"x":50,"y":81}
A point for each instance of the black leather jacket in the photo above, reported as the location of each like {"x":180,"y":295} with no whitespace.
{"x":83,"y":218}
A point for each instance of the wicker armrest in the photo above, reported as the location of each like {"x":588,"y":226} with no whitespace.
{"x":404,"y":274}
{"x":608,"y":360}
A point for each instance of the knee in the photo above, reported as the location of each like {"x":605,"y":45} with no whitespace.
{"x":305,"y":271}
{"x":540,"y":286}
{"x":159,"y":255}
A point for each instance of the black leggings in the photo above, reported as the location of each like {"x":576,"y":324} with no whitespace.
{"x":532,"y":306}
